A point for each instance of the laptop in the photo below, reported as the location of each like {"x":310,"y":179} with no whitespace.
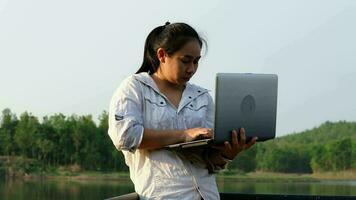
{"x":242,"y":100}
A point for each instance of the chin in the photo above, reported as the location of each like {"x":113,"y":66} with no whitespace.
{"x":183,"y":82}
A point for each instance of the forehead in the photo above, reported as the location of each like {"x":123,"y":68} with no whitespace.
{"x":191,"y":48}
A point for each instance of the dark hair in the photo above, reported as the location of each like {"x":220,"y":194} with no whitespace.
{"x":170,"y":37}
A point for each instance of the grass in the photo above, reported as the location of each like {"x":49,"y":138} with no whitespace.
{"x":267,"y":177}
{"x":341,"y":175}
{"x":82,"y":175}
{"x":290,"y":177}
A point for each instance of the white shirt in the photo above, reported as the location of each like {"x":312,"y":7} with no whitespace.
{"x":163,"y":173}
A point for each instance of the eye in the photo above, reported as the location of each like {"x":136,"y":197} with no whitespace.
{"x":196,"y":61}
{"x":185,"y":61}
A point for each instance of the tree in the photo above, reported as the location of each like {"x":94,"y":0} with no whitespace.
{"x":341,"y":154}
{"x":7,"y":131}
{"x":111,"y":158}
{"x":335,"y":155}
{"x":26,"y":135}
{"x":320,"y":159}
{"x":62,"y":137}
{"x":245,"y":161}
{"x":46,"y":142}
{"x":86,"y":148}
{"x":283,"y":159}
{"x":353,"y":154}
{"x":104,"y":142}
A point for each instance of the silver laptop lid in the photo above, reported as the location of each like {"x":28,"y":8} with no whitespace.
{"x":248,"y":101}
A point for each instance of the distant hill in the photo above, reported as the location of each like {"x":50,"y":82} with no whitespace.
{"x":325,"y":133}
{"x":329,"y":147}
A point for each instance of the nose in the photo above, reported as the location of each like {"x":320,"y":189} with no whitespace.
{"x":191,"y":68}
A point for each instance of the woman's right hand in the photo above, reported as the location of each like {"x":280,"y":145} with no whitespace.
{"x":197,"y":133}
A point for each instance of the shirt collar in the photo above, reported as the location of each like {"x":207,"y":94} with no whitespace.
{"x":190,"y":92}
{"x":146,"y":79}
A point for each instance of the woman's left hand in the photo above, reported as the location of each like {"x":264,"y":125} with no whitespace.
{"x":230,"y":151}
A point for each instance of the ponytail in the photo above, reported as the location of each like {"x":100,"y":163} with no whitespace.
{"x":150,"y":61}
{"x":170,"y":37}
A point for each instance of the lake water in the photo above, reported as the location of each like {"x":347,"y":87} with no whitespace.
{"x":91,"y":189}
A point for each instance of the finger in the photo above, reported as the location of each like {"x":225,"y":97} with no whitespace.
{"x":234,"y":138}
{"x":218,"y":147}
{"x":203,"y":133}
{"x":252,"y":142}
{"x":242,"y":137}
{"x":207,"y":135}
{"x":210,"y":132}
{"x":227,"y":145}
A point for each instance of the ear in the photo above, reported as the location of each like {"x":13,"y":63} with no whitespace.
{"x":161,"y":55}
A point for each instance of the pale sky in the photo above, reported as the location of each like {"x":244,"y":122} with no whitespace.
{"x":69,"y":56}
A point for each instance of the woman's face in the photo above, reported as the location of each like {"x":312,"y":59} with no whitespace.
{"x":179,"y":67}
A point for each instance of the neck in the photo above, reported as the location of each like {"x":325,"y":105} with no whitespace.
{"x":164,"y":83}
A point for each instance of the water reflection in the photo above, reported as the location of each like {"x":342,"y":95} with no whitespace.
{"x":343,"y":188}
{"x":95,"y":189}
{"x":63,"y":189}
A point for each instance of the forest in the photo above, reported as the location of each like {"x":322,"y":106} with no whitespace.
{"x":60,"y":140}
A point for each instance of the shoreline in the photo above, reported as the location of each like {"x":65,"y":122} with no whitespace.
{"x":248,"y":177}
{"x":291,"y":177}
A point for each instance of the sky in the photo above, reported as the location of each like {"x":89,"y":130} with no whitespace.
{"x":69,"y":56}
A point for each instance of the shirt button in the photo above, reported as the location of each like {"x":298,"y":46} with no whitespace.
{"x":199,"y":91}
{"x":161,"y":102}
{"x":190,"y":97}
{"x":191,"y":105}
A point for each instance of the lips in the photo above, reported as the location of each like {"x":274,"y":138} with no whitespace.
{"x":186,"y":78}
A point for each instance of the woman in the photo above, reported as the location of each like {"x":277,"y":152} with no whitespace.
{"x":157,"y":107}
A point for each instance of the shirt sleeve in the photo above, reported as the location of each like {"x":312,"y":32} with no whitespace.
{"x":125,"y":116}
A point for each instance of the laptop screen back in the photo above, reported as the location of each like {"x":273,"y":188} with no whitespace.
{"x":248,"y":101}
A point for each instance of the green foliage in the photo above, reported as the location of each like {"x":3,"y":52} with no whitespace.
{"x":335,"y":156}
{"x":58,"y":141}
{"x":7,"y":132}
{"x":25,"y":165}
{"x":26,"y":134}
{"x":320,"y":161}
{"x":77,"y":141}
{"x":283,"y":159}
{"x":246,"y":161}
{"x":2,"y":172}
{"x":329,"y":147}
{"x":353,"y":156}
{"x":341,"y":154}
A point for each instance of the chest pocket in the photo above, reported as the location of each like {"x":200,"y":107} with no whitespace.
{"x":195,"y":113}
{"x":157,"y":112}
